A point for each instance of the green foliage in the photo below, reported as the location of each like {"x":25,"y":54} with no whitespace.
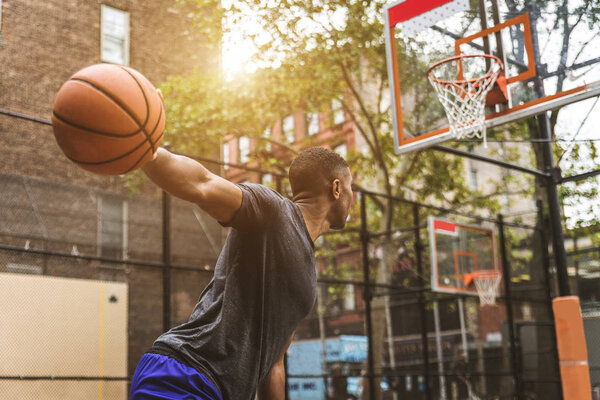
{"x":580,"y":196}
{"x":135,"y":181}
{"x":311,"y":52}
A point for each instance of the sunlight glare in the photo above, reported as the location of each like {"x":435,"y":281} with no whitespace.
{"x":238,"y":49}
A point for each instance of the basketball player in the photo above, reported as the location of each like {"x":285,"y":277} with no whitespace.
{"x":264,"y":284}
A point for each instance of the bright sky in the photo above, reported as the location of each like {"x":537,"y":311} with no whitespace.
{"x":237,"y":52}
{"x":237,"y":49}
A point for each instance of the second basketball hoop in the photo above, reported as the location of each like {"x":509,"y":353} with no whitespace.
{"x":462,"y":84}
{"x":487,"y":283}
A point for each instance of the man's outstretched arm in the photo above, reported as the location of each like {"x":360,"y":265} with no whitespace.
{"x":273,"y":386}
{"x":189,"y":180}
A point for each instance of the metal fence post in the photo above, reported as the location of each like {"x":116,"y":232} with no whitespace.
{"x":166,"y":250}
{"x":509,"y":310}
{"x":367,"y":295}
{"x":423,"y":314}
{"x":546,"y":267}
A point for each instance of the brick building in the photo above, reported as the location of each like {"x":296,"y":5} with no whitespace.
{"x":59,"y":220}
{"x":331,"y":129}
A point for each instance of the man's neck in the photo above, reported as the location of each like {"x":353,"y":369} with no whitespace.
{"x":314,"y":212}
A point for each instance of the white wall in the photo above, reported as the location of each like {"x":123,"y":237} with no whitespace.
{"x":62,"y":327}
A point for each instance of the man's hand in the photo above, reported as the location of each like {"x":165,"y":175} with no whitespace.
{"x":189,"y":180}
{"x":162,"y":99}
{"x":273,"y":386}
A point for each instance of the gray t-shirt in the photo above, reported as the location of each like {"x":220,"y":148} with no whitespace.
{"x":264,"y":285}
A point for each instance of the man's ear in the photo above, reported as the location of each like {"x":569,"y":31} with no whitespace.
{"x":336,"y":189}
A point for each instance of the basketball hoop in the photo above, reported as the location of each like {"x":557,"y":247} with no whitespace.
{"x":487,"y":283}
{"x":462,"y":83}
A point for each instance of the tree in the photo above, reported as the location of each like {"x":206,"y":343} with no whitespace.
{"x":573,"y":27}
{"x":315,"y":52}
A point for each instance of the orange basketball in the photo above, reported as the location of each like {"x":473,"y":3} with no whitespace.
{"x":108,"y":119}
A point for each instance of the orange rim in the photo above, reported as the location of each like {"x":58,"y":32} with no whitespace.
{"x":459,"y":57}
{"x":486,"y":274}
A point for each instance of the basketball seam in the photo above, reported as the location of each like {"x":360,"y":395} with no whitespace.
{"x":137,"y":146}
{"x":90,"y":130}
{"x":117,"y":102}
{"x":122,"y":155}
{"x":143,"y":155}
{"x":151,"y":142}
{"x":117,"y":158}
{"x":147,"y":107}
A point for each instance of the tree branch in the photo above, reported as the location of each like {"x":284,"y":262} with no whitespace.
{"x":358,"y":99}
{"x":378,"y":155}
{"x":277,"y":142}
{"x":360,"y":128}
{"x":374,"y":198}
{"x":409,"y":169}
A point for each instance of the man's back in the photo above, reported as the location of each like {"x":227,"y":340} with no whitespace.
{"x":264,"y":285}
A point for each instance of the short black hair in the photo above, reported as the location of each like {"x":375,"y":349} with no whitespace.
{"x":312,"y":163}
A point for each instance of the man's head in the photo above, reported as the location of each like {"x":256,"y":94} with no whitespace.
{"x":320,"y":173}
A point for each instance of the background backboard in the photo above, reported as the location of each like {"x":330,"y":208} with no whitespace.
{"x":457,"y":251}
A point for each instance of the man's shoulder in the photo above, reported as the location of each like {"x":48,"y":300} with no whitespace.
{"x":269,"y":200}
{"x":262,"y":191}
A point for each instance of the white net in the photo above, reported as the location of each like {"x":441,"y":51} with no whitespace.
{"x":462,"y":84}
{"x":487,"y":284}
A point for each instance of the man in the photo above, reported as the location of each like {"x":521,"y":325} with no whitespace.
{"x":234,"y":343}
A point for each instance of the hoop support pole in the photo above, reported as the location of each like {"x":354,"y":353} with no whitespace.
{"x":490,"y":160}
{"x":509,"y":311}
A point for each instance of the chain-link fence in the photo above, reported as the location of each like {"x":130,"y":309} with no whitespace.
{"x":376,"y":284}
{"x":117,"y":269}
{"x":82,"y":278}
{"x":70,"y":338}
{"x":90,"y":277}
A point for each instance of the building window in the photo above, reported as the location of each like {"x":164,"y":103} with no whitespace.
{"x":349,"y":303}
{"x":244,"y":149}
{"x":342,"y":150}
{"x":267,"y":179}
{"x":313,"y":123}
{"x":473,"y":178}
{"x":288,"y":128}
{"x":267,"y":134}
{"x":24,"y":269}
{"x":408,"y":381}
{"x":226,"y":156}
{"x":114,"y":41}
{"x":112,"y":228}
{"x":337,"y":111}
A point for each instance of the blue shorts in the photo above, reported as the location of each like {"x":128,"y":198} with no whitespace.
{"x":162,"y":377}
